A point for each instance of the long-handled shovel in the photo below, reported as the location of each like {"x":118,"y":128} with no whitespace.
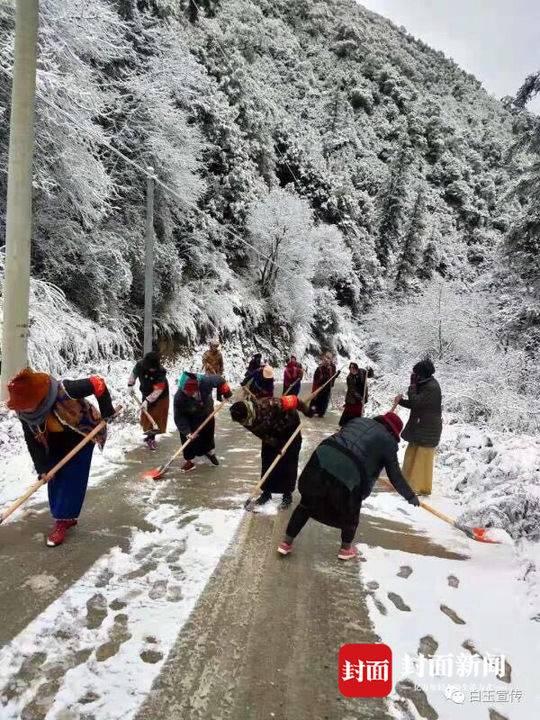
{"x":364,"y":396}
{"x":249,"y":501}
{"x":157,"y":473}
{"x":151,"y":420}
{"x":485,"y":535}
{"x":284,"y":449}
{"x":50,"y":475}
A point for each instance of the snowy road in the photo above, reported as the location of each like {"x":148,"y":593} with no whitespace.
{"x":150,"y":591}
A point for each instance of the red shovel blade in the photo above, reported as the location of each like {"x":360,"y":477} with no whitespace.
{"x":482,"y":535}
{"x":485,"y":535}
{"x":154,"y":474}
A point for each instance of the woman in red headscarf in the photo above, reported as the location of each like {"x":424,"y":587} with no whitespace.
{"x":341,"y":474}
{"x":54,"y":416}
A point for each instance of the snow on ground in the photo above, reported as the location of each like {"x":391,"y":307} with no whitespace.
{"x":453,"y":611}
{"x":113,"y":629}
{"x":495,"y":479}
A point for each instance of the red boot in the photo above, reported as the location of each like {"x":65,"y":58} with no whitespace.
{"x":58,"y":533}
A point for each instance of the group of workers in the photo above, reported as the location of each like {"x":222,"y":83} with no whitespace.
{"x":338,"y":477}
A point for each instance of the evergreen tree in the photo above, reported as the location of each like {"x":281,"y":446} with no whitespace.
{"x":430,"y":257}
{"x":521,"y":250}
{"x":392,"y":210}
{"x":412,"y":246}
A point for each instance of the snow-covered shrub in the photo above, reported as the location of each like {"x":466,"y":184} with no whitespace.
{"x":482,"y":379}
{"x":60,"y":337}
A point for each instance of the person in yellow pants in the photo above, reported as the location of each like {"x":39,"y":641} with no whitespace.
{"x":424,"y":427}
{"x":418,"y":468}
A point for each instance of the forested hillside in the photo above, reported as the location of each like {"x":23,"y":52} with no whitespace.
{"x":313,"y":133}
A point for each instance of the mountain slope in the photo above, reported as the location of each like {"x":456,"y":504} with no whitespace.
{"x":303,"y":132}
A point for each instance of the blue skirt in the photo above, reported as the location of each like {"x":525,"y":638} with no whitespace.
{"x":68,"y":487}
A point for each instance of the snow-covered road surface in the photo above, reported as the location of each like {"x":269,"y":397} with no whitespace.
{"x":88,"y":627}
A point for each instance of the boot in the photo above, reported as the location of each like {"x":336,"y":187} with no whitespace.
{"x":347,"y":553}
{"x":284,"y":548}
{"x":286,"y":501}
{"x":188,"y":466}
{"x":58,"y":533}
{"x":263,"y":498}
{"x":212,"y":457}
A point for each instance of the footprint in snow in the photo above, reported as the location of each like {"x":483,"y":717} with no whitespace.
{"x":404,"y":571}
{"x":175,"y":554}
{"x":141,"y":571}
{"x":452,"y":614}
{"x":373,"y":585}
{"x":397,"y":601}
{"x":118,"y":604}
{"x":151,"y":656}
{"x":409,"y":690}
{"x":117,"y":636}
{"x":428,"y":646}
{"x":158,"y":590}
{"x":104,"y":578}
{"x":96,"y":611}
{"x":453,"y":581}
{"x":89,"y":697}
{"x":470,"y":646}
{"x":204,"y":529}
{"x":380,"y":606}
{"x":29,"y":670}
{"x":175,"y":593}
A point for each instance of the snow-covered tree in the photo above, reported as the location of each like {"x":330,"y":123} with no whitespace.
{"x":282,"y":230}
{"x":392,"y":210}
{"x":412,"y":247}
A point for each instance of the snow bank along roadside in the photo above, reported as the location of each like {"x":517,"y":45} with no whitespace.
{"x":485,"y":615}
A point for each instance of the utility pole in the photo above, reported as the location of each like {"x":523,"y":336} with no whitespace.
{"x":149,"y":261}
{"x":19,"y":194}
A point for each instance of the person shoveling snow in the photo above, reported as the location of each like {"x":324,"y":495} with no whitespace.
{"x":341,"y":474}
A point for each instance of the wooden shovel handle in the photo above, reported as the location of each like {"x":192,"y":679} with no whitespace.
{"x":276,"y":460}
{"x":437,"y":513}
{"x":151,"y":419}
{"x":193,"y":435}
{"x":425,"y":505}
{"x":49,"y":476}
{"x":314,"y":394}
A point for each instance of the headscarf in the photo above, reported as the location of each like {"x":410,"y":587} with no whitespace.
{"x":30,"y":389}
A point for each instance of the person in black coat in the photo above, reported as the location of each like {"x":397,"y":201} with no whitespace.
{"x":193,"y":403}
{"x":357,"y":393}
{"x":154,"y":388}
{"x":274,"y":421}
{"x":341,"y":474}
{"x":424,"y":427}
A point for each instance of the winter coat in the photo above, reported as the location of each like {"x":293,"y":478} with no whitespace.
{"x":259,"y":386}
{"x":272,"y":423}
{"x":322,"y":374}
{"x":292,"y":375}
{"x":70,"y":418}
{"x":152,"y":385}
{"x":197,"y":406}
{"x":425,"y":421}
{"x":212,"y":361}
{"x":372,"y":447}
{"x":355,"y":388}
